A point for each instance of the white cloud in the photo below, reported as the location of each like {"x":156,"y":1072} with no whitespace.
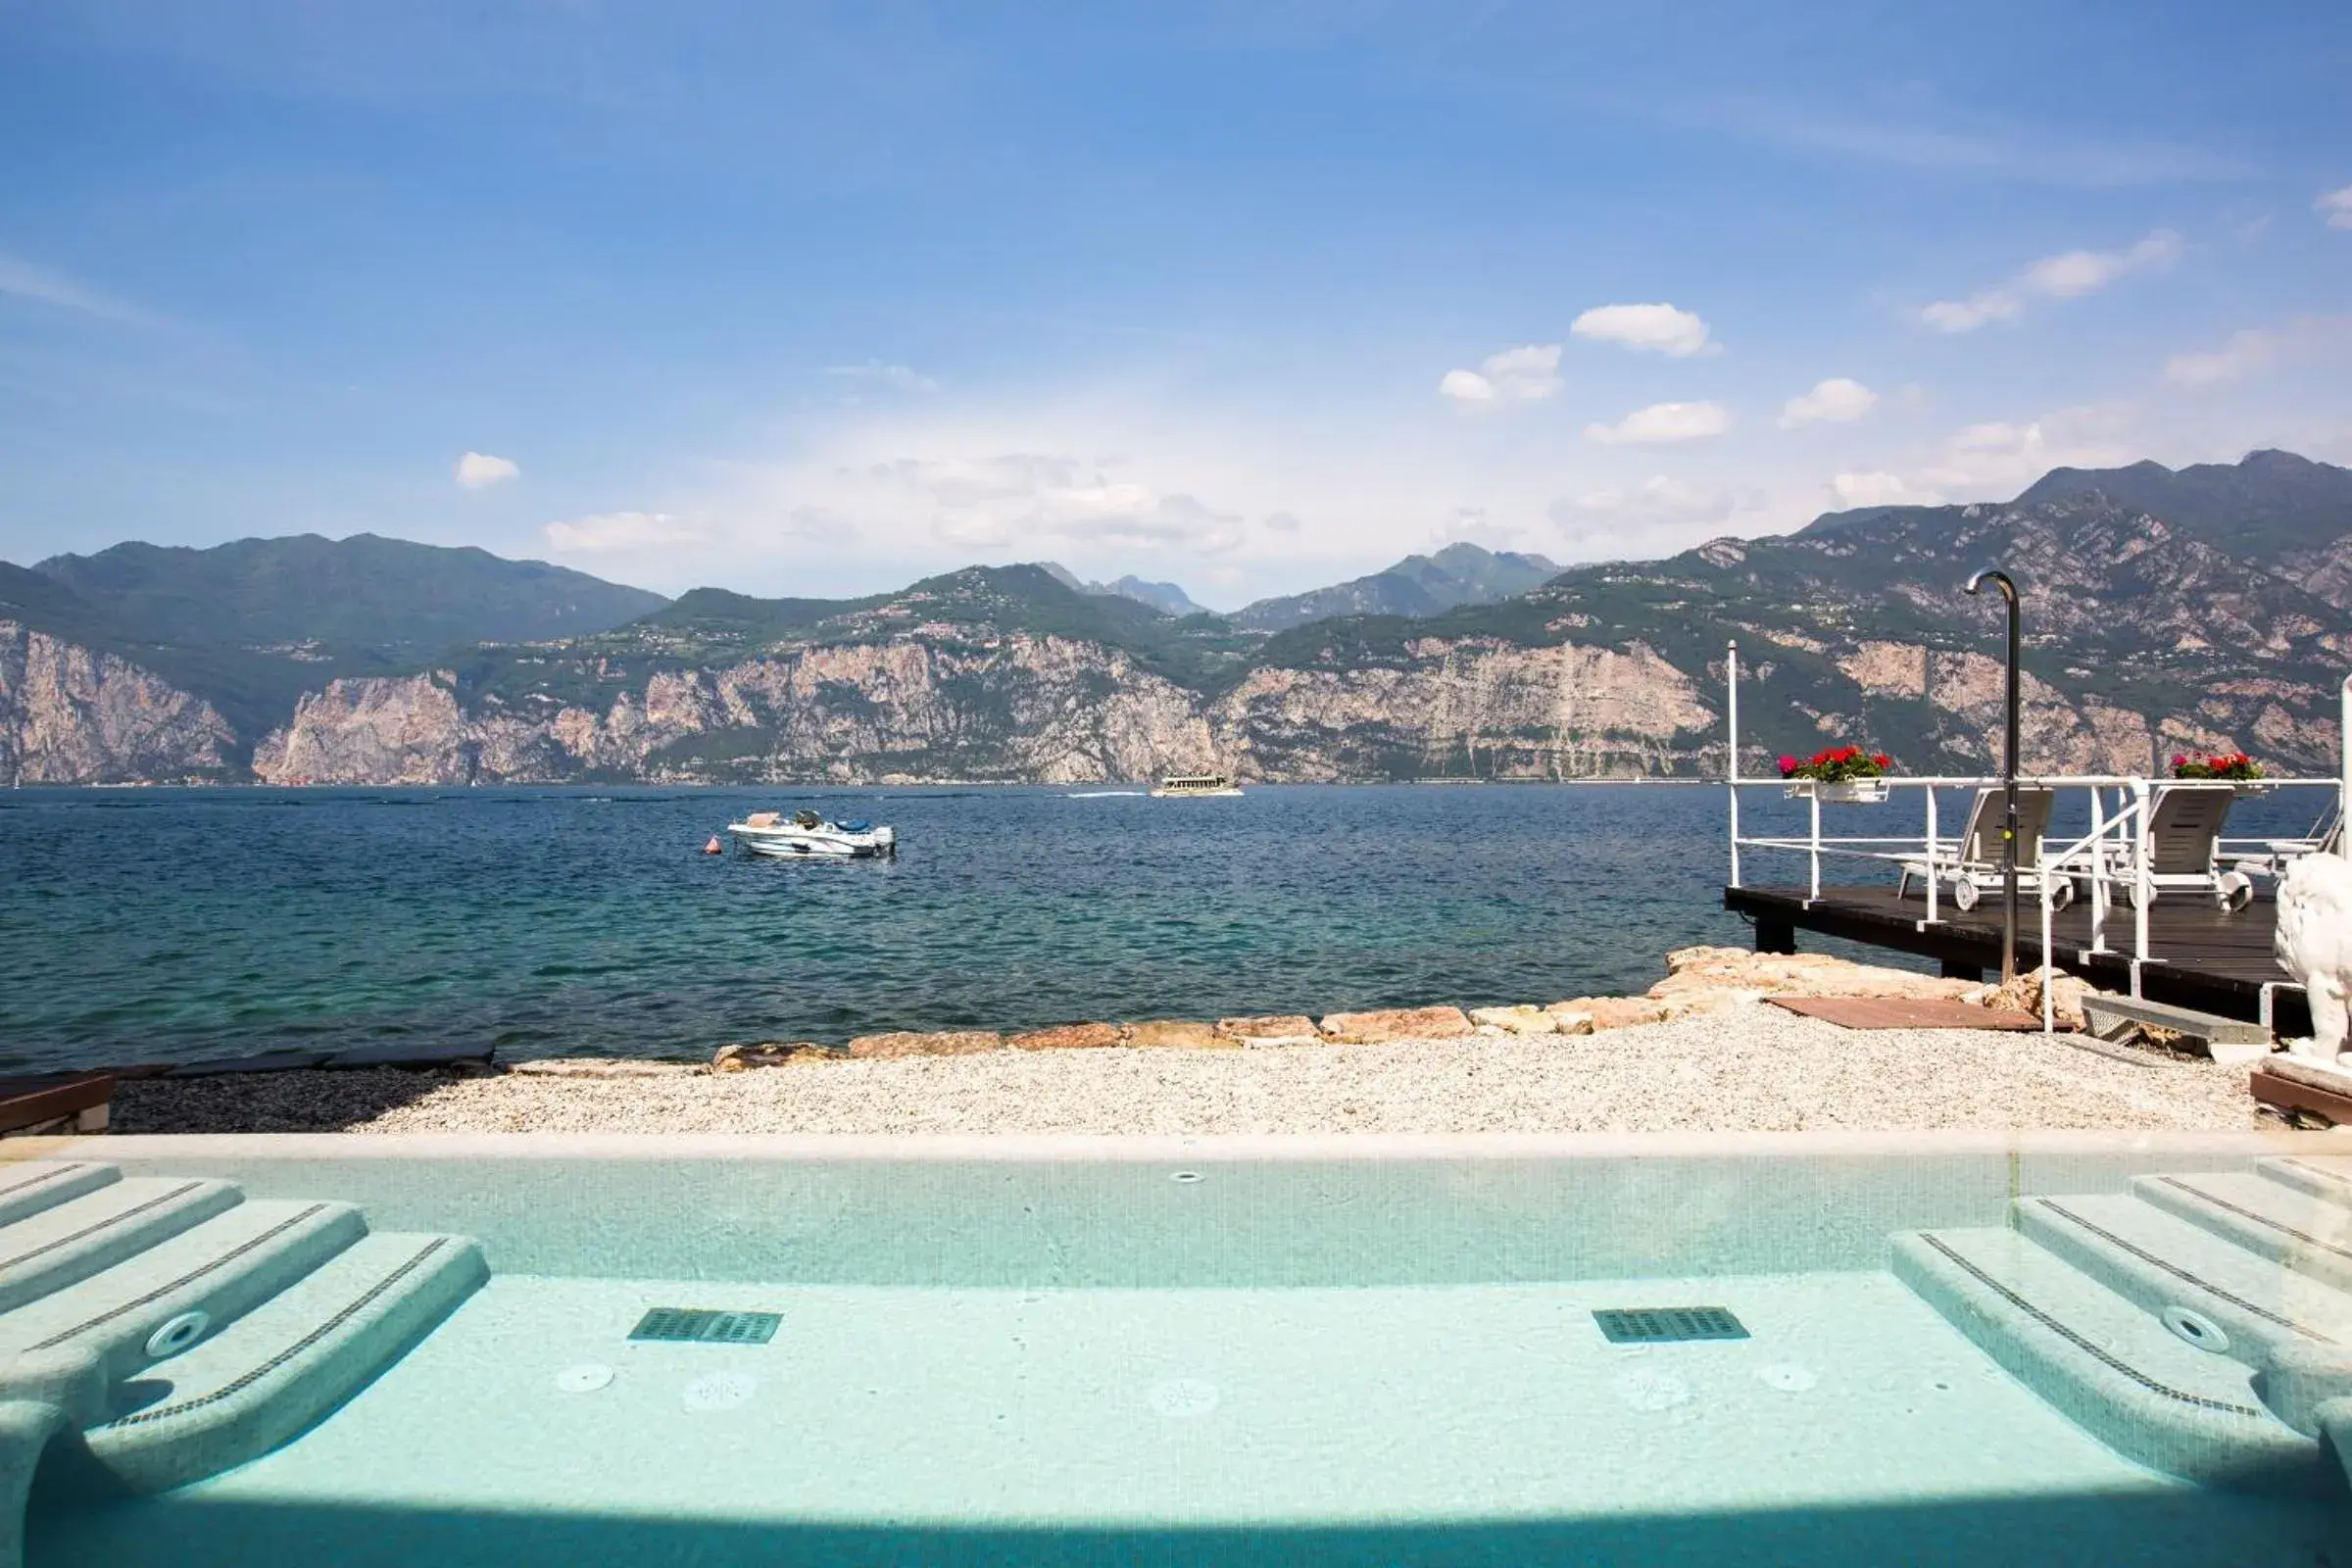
{"x":2007,"y":455}
{"x":1836,"y":401}
{"x":1524,"y":374}
{"x":2335,"y":207}
{"x":620,"y":533}
{"x":1661,"y":423}
{"x":1966,"y":316}
{"x":1997,"y":436}
{"x":890,"y":377}
{"x":994,"y":501}
{"x":2075,"y":273}
{"x":22,"y":279}
{"x":479,"y":469}
{"x":1647,"y":329}
{"x":1877,"y":489}
{"x":2244,"y":352}
{"x":1466,"y":386}
{"x":1660,"y":502}
{"x":2063,"y":276}
{"x":815,"y":523}
{"x":1281,"y":523}
{"x":1475,"y":525}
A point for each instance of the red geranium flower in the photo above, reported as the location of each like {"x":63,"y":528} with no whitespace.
{"x":1837,"y":764}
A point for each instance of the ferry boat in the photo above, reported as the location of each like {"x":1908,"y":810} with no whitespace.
{"x":805,"y":835}
{"x":1177,"y":784}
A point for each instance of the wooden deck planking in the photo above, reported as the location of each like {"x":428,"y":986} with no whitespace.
{"x":2199,"y":956}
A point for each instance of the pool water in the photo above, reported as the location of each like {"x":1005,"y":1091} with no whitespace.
{"x":1431,"y":1420}
{"x":1020,"y":1415}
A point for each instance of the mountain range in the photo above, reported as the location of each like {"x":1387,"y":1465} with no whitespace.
{"x":1418,"y":585}
{"x":1164,"y":597}
{"x":2208,"y":608}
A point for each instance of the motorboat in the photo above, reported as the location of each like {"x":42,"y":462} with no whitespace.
{"x":805,"y":835}
{"x":1177,"y":785}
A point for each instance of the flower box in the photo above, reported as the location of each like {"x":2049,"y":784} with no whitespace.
{"x":2219,"y":767}
{"x":1845,"y":773}
{"x":1847,"y":792}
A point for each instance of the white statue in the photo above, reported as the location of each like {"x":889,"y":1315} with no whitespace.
{"x":2314,"y":944}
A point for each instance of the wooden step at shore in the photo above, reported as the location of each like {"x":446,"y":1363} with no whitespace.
{"x":2302,"y":1231}
{"x":38,"y":1184}
{"x":265,"y":1377}
{"x":2158,"y":1261}
{"x":2106,"y":1364}
{"x":52,"y":1249}
{"x":224,"y":1268}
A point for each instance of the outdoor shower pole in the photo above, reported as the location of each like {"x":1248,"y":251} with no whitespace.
{"x":2343,"y":790}
{"x":1730,"y":767}
{"x":2008,"y":588}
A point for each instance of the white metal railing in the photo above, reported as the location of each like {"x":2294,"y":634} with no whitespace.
{"x":2116,"y":852}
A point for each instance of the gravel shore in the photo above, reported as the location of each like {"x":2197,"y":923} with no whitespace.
{"x":1753,"y":1068}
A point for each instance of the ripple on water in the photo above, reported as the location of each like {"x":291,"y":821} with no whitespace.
{"x":548,"y":920}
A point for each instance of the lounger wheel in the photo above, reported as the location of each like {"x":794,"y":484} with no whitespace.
{"x":2132,"y":894}
{"x":1964,"y":894}
{"x":2232,"y":892}
{"x":2062,"y":892}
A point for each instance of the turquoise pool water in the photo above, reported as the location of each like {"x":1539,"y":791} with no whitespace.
{"x":1003,"y":1419}
{"x":1070,"y":1377}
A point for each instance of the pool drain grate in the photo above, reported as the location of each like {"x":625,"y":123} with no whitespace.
{"x":1667,"y":1325}
{"x":697,"y":1325}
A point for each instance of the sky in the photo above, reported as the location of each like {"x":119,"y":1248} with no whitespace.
{"x":819,"y":298}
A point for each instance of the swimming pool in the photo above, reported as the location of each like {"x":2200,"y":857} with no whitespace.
{"x":2063,"y":1349}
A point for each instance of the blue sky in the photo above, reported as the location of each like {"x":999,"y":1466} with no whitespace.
{"x":816,"y":297}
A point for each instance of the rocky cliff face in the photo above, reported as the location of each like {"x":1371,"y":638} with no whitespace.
{"x":1029,"y":708}
{"x":1039,"y":709}
{"x":1470,"y":707}
{"x":1965,"y":692}
{"x":71,"y":716}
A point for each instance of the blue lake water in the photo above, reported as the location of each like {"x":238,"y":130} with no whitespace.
{"x":175,"y":926}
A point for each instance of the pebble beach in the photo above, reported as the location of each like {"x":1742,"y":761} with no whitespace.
{"x":1752,"y":1067}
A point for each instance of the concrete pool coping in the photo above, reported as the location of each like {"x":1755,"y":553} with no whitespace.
{"x":1165,"y":1210}
{"x":1113,"y":1148}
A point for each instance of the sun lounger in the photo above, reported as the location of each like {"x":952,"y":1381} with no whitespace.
{"x":2182,"y":843}
{"x":1972,"y":864}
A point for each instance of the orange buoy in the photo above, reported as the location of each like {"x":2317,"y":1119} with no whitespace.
{"x":714,"y":847}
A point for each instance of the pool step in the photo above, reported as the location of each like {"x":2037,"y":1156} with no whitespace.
{"x":262,"y":1380}
{"x":2158,"y":1260}
{"x":2108,"y":1364}
{"x":35,"y":1185}
{"x":2327,"y":1176}
{"x":224,"y":1268}
{"x":157,"y":1331}
{"x":2305,"y":1231}
{"x":66,"y":1243}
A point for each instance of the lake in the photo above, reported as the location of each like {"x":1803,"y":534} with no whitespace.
{"x":178,"y":925}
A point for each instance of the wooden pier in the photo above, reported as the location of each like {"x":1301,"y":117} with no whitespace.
{"x":2197,"y":956}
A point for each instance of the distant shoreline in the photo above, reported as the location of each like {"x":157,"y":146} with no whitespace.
{"x":257,"y":787}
